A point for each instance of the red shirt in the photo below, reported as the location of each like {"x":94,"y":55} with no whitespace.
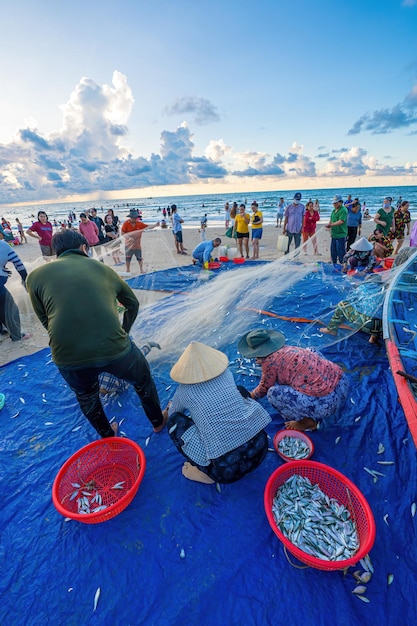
{"x":128,"y":227}
{"x":44,"y":231}
{"x":310,"y":221}
{"x":299,"y":368}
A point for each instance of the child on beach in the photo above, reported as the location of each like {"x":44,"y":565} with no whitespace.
{"x":21,"y":231}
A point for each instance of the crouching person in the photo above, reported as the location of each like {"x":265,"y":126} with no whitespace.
{"x":215,"y":425}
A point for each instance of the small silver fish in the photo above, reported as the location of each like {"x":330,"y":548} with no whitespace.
{"x":385,"y":462}
{"x":182,"y":553}
{"x":337,"y":440}
{"x":75,"y":485}
{"x":120,"y":404}
{"x":147,"y":440}
{"x":363,"y":598}
{"x":167,"y":388}
{"x":385,"y":518}
{"x":365,"y":577}
{"x":96,"y":598}
{"x":15,"y":415}
{"x":121,"y":421}
{"x":74,"y":430}
{"x":358,"y":418}
{"x":360,"y":589}
{"x":122,"y":433}
{"x":413,"y":509}
{"x":22,"y":400}
{"x":119,"y":485}
{"x":43,"y":400}
{"x":352,"y":401}
{"x":390,"y":579}
{"x":171,"y":430}
{"x":48,"y":423}
{"x":381,"y":448}
{"x":218,"y":488}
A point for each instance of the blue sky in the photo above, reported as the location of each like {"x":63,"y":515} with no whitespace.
{"x":147,"y":97}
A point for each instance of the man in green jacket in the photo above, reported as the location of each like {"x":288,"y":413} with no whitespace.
{"x":75,"y":298}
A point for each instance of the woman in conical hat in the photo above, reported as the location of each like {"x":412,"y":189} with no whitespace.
{"x":303,"y":386}
{"x":360,"y":256}
{"x":215,"y":425}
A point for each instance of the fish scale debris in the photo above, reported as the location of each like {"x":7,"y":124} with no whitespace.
{"x":294,"y":448}
{"x":316,"y":524}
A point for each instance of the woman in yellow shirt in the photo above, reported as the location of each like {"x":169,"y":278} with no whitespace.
{"x":257,"y":229}
{"x":241,"y":230}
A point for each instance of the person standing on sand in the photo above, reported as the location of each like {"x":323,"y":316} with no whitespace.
{"x":83,"y":351}
{"x":21,"y":231}
{"x":338,"y":230}
{"x":241,"y":230}
{"x":293,"y":222}
{"x":402,"y":219}
{"x":177,"y":222}
{"x":9,"y":313}
{"x":257,"y":229}
{"x":383,"y":219}
{"x":226,"y":215}
{"x":42,"y":231}
{"x":132,"y":229}
{"x":311,"y":217}
{"x":280,"y":213}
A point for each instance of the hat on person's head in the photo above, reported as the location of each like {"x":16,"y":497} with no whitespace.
{"x":198,"y":364}
{"x":337,"y":198}
{"x":362,"y":245}
{"x":133,"y":213}
{"x":260,"y":342}
{"x":388,"y":198}
{"x":297,"y":196}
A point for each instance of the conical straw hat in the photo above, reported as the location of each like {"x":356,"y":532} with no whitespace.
{"x":199,"y":363}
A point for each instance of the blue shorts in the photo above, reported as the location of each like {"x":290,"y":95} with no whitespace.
{"x":257,"y":233}
{"x":178,"y":236}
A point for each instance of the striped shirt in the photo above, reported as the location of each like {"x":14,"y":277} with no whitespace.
{"x":223,"y":419}
{"x":299,"y":368}
{"x":7,"y":255}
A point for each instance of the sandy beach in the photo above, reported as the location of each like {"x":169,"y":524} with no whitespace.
{"x":159,"y":253}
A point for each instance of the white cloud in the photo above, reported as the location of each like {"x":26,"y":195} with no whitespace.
{"x":90,"y":153}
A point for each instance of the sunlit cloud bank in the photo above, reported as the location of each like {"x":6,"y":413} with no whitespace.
{"x":90,"y":153}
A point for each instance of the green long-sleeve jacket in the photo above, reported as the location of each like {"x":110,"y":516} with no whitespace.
{"x":75,"y":298}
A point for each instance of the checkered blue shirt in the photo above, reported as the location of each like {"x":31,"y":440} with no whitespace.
{"x":223,"y":419}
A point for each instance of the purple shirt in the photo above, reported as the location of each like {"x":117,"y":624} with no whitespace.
{"x":294,"y":214}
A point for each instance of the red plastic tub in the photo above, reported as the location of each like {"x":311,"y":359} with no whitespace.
{"x":224,"y":259}
{"x":112,"y":467}
{"x":292,"y":433}
{"x":239,"y":260}
{"x":335,"y":485}
{"x":214,"y":265}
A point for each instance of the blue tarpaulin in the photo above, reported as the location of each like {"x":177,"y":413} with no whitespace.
{"x":234,"y":570}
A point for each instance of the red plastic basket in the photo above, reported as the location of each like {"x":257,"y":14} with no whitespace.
{"x":214,"y":265}
{"x":335,"y":485}
{"x":292,"y":433}
{"x":98,"y":467}
{"x":238,"y":260}
{"x":224,"y":259}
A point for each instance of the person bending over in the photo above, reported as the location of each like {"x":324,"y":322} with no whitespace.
{"x":307,"y":389}
{"x":202,"y":253}
{"x":83,"y":351}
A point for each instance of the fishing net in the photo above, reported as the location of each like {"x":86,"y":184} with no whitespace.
{"x":218,"y":307}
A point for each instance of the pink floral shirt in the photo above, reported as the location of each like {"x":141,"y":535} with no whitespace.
{"x":300,"y":368}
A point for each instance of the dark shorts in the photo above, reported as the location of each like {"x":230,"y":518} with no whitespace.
{"x":242,"y":235}
{"x":257,"y":233}
{"x":178,"y":236}
{"x":46,"y":250}
{"x":134,"y":253}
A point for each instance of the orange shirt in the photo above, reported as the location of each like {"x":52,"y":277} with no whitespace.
{"x":128,"y":227}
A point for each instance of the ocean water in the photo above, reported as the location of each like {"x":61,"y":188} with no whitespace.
{"x":192,"y":208}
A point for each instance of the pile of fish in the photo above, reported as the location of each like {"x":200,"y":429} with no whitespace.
{"x":313,"y":522}
{"x":294,"y":448}
{"x":89,"y":500}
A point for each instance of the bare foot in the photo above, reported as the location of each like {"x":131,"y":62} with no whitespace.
{"x":164,"y":422}
{"x":327,"y":331}
{"x":307,"y":423}
{"x":115,"y":428}
{"x":374,"y":340}
{"x":193,"y":473}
